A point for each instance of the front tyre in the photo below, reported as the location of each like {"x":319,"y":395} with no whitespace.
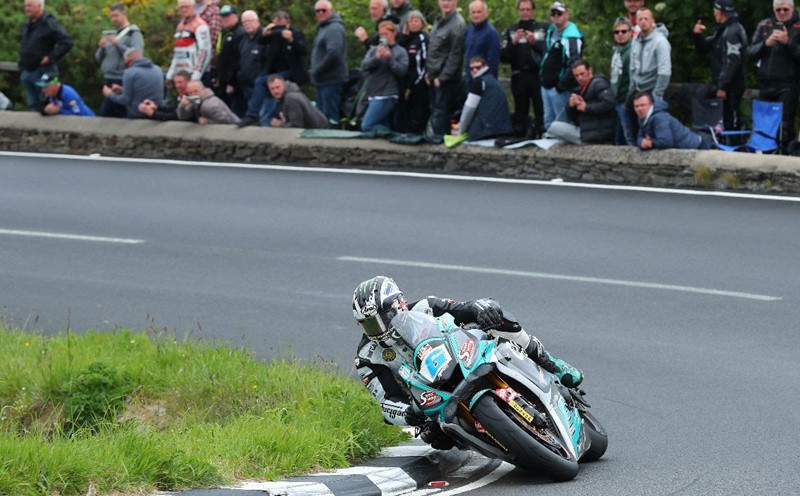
{"x":524,"y":450}
{"x":598,"y":436}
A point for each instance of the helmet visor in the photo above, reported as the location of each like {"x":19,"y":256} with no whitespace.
{"x":374,"y":327}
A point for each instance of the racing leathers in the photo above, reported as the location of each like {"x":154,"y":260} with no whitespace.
{"x":192,"y":48}
{"x":377,"y":363}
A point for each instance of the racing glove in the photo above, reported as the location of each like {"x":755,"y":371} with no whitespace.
{"x":488,"y":313}
{"x":414,"y":418}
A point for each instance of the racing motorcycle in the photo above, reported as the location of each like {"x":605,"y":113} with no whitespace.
{"x":489,"y":396}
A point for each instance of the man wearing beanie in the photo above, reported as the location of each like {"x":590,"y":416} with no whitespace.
{"x":726,"y":48}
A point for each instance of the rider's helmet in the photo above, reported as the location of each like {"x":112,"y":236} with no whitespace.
{"x":375,"y":303}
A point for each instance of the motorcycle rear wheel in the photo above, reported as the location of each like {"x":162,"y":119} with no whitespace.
{"x":527,"y":452}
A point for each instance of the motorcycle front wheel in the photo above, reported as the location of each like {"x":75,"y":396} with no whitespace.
{"x":525,"y":450}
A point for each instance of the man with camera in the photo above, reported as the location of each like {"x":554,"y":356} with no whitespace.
{"x":775,"y":49}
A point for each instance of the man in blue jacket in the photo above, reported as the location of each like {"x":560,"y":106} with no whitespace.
{"x":659,"y":130}
{"x":60,"y":98}
{"x":481,"y":39}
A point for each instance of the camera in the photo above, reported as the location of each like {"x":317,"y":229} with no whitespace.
{"x":779,"y":26}
{"x":194,"y":99}
{"x":383,"y":42}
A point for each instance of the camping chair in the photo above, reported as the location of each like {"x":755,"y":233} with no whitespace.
{"x":766,"y":134}
{"x":707,"y":120}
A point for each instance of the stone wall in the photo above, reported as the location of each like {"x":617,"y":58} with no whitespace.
{"x":30,"y":132}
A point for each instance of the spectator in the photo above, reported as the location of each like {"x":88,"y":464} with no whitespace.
{"x":167,"y":111}
{"x":286,"y":51}
{"x":564,"y":44}
{"x":208,"y":10}
{"x":61,"y":98}
{"x":252,"y":55}
{"x":591,"y":110}
{"x":111,"y":54}
{"x":294,"y":108}
{"x":775,"y":49}
{"x":192,"y":43}
{"x":631,"y":7}
{"x":727,"y":49}
{"x":481,"y":39}
{"x":620,"y":80}
{"x":651,"y":66}
{"x":142,"y":80}
{"x":400,"y":10}
{"x":523,"y":47}
{"x":202,"y":104}
{"x":485,"y":114}
{"x":413,"y":114}
{"x":659,"y":130}
{"x":386,"y":64}
{"x":228,"y":44}
{"x":43,"y":42}
{"x":378,"y":12}
{"x":329,"y":71}
{"x":445,"y":57}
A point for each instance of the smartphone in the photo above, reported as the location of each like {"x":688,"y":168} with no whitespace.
{"x":109,"y":32}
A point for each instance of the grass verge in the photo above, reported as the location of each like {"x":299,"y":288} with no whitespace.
{"x":136,"y":412}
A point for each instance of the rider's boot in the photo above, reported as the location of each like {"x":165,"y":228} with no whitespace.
{"x":568,"y":375}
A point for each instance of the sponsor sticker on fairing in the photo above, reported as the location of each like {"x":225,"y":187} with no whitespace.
{"x":429,"y":398}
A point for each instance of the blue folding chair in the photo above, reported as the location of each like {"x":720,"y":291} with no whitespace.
{"x":766,"y":134}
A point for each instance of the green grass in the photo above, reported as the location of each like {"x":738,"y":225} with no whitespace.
{"x":135,"y":412}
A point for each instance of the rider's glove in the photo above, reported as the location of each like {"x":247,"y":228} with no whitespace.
{"x":414,"y":418}
{"x":488,"y":313}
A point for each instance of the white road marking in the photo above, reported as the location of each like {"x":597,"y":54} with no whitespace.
{"x":452,"y":177}
{"x":72,"y":237}
{"x":561,"y":277}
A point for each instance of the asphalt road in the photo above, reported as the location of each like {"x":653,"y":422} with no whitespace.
{"x":682,"y":310}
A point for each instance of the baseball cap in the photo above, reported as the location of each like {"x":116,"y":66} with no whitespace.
{"x":227,"y":10}
{"x":725,"y":6}
{"x":47,"y":80}
{"x":559,"y":6}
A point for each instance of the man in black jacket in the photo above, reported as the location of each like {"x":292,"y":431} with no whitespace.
{"x":227,"y":49}
{"x":523,"y":47}
{"x":726,"y":48}
{"x":591,"y":109}
{"x":285,"y":54}
{"x":43,"y":42}
{"x":775,"y":49}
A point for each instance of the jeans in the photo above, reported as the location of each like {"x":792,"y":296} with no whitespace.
{"x":329,"y":100}
{"x":623,"y":135}
{"x":565,"y":132}
{"x":444,"y":101}
{"x":378,"y":115}
{"x":255,"y":104}
{"x":33,"y":94}
{"x":555,"y":106}
{"x":526,"y":89}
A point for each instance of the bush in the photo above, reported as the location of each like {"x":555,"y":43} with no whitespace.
{"x":94,"y":398}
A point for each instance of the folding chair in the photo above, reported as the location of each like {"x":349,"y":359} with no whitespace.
{"x":766,"y":134}
{"x":707,"y":120}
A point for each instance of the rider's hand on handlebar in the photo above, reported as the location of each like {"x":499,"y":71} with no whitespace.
{"x":414,"y":418}
{"x":488,"y":313}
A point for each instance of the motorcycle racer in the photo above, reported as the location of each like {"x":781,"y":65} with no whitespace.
{"x":378,"y":300}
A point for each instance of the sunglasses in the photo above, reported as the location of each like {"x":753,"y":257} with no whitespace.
{"x":783,"y":10}
{"x":321,"y":11}
{"x":621,"y":31}
{"x":556,"y":13}
{"x":473,"y":68}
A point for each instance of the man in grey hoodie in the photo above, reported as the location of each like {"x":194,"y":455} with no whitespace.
{"x":111,"y":51}
{"x":142,"y":80}
{"x":294,"y":108}
{"x":651,"y":65}
{"x":329,"y":71}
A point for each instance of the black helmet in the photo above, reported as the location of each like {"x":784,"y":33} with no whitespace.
{"x":375,"y":303}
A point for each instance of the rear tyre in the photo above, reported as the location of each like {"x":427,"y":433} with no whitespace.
{"x":526,"y":452}
{"x":598,"y":436}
